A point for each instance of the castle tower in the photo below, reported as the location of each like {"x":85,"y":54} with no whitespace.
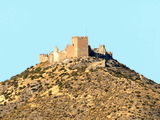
{"x":80,"y":46}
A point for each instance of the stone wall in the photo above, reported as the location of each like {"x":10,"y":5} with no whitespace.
{"x":78,"y":48}
{"x":98,"y":64}
{"x":51,"y":57}
{"x":62,"y":55}
{"x":70,"y":51}
{"x":43,"y":58}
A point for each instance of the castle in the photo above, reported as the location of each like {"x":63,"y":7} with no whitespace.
{"x":78,"y":48}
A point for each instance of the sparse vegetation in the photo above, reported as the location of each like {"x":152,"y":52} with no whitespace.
{"x":20,"y":88}
{"x":81,"y":69}
{"x":38,"y":70}
{"x":74,"y":73}
{"x":47,"y":68}
{"x":138,"y":95}
{"x":25,"y":76}
{"x":92,"y":70}
{"x":57,"y":92}
{"x":63,"y":74}
{"x":59,"y":83}
{"x":50,"y":93}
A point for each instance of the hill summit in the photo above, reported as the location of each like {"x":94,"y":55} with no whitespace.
{"x":95,"y":87}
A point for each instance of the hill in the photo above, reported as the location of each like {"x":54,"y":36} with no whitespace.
{"x":84,"y":88}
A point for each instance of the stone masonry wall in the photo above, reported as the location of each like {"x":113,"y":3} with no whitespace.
{"x":62,"y":55}
{"x":75,"y":45}
{"x":81,"y":46}
{"x":70,"y":51}
{"x":43,"y":57}
{"x":78,"y":48}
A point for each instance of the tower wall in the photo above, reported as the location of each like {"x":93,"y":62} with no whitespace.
{"x":75,"y":45}
{"x":80,"y":46}
{"x":70,"y":51}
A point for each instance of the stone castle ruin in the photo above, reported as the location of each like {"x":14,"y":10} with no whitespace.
{"x":78,"y":48}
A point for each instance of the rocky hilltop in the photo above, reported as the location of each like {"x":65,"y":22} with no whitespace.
{"x":84,"y":88}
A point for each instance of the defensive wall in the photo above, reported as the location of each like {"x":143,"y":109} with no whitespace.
{"x":78,"y":48}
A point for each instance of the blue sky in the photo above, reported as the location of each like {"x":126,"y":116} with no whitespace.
{"x":128,"y":28}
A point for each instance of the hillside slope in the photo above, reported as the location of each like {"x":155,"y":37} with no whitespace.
{"x":79,"y":89}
